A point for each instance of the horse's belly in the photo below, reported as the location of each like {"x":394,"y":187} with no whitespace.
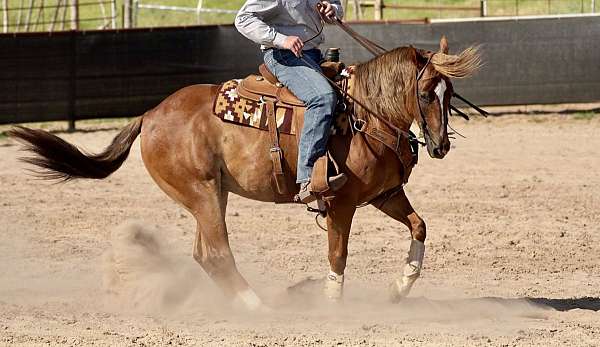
{"x":247,"y":165}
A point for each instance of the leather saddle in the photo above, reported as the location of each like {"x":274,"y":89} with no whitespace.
{"x":267,"y":85}
{"x":266,"y":88}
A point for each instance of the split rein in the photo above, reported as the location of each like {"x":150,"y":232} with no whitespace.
{"x":376,"y":50}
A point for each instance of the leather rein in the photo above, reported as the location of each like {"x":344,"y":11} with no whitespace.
{"x":392,"y":141}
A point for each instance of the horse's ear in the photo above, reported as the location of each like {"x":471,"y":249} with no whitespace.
{"x":444,"y":45}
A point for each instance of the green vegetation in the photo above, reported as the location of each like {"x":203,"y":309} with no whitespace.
{"x":91,"y":12}
{"x":588,"y":115}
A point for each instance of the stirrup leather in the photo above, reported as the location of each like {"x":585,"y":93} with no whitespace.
{"x":275,"y":151}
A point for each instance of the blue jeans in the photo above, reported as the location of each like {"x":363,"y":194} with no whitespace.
{"x":302,"y":79}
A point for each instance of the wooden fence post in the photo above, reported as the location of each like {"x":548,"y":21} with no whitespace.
{"x":29,"y":12}
{"x":357,"y":10}
{"x":127,"y":13}
{"x":378,"y":9}
{"x":483,"y":7}
{"x":113,"y":14}
{"x":55,"y":16}
{"x":40,"y":15}
{"x":134,"y":13}
{"x":72,"y":102}
{"x":5,"y":16}
{"x":74,"y":14}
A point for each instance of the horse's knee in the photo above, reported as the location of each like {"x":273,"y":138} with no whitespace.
{"x":418,"y":229}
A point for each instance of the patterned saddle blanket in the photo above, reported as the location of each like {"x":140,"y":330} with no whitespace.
{"x":250,"y":110}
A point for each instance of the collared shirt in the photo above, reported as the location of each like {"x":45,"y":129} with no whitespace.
{"x":270,"y":22}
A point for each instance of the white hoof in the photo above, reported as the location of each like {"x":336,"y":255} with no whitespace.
{"x":412,"y":270}
{"x":401,"y":287}
{"x":334,"y":286}
{"x":248,"y":300}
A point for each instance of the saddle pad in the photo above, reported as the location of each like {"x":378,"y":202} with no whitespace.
{"x":230,"y":107}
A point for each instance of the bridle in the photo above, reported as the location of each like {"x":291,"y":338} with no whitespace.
{"x":360,"y":124}
{"x":422,"y":120}
{"x":375,"y":49}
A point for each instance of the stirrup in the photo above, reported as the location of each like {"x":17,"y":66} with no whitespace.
{"x":307,"y":195}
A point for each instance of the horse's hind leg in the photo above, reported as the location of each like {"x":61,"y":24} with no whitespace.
{"x":211,"y":247}
{"x":399,"y":208}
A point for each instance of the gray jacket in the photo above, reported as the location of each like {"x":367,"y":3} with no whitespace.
{"x":270,"y":22}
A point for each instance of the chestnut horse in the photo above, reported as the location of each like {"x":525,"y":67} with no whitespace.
{"x":197,"y":159}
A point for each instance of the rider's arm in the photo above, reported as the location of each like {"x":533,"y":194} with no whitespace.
{"x":250,"y":22}
{"x":339,"y":10}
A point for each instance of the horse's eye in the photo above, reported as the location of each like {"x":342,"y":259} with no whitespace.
{"x":425,"y":96}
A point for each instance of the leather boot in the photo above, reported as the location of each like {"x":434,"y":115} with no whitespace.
{"x":306,"y":194}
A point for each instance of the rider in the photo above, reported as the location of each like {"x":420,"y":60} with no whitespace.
{"x":289,"y":32}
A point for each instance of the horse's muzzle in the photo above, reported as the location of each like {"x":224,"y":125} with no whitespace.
{"x":437,"y":151}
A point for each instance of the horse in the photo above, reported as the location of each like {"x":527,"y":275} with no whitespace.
{"x":197,"y":160}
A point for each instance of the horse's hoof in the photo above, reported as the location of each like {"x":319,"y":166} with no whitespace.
{"x":334,"y":286}
{"x":247,"y":300}
{"x":399,"y":290}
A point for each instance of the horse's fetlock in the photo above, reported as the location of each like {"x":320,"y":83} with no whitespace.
{"x":197,"y":256}
{"x":419,"y":230}
{"x":337,"y":260}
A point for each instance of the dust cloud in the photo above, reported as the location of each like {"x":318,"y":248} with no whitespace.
{"x":140,"y":275}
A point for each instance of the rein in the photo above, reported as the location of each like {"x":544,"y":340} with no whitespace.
{"x":375,"y":49}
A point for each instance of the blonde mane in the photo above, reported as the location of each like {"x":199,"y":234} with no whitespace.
{"x":385,"y":83}
{"x":457,"y":66}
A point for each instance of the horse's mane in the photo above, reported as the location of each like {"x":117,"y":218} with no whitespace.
{"x":384,"y":83}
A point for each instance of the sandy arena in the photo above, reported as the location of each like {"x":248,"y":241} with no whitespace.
{"x":512,"y":257}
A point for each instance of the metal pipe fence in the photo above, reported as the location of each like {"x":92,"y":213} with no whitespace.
{"x":132,"y":9}
{"x":57,"y":15}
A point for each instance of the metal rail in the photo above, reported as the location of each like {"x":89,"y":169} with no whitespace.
{"x":185,"y":9}
{"x":82,"y":4}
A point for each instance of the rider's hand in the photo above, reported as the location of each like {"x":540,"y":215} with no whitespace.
{"x":327,"y":10}
{"x":294,"y":44}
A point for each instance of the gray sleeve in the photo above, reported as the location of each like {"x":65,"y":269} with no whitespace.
{"x":250,"y":22}
{"x":339,"y":9}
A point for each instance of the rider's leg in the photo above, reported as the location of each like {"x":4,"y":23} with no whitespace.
{"x":302,"y":78}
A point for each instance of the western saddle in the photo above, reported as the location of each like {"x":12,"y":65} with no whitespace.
{"x":267,"y":89}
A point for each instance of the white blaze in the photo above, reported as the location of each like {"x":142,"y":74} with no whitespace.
{"x":440,"y":90}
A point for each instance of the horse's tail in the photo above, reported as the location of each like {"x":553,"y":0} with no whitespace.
{"x":60,"y":160}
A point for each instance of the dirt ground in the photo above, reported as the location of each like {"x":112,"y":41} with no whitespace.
{"x":512,"y":257}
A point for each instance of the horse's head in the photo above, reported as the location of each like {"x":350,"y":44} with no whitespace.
{"x":433,"y":91}
{"x":407,"y":84}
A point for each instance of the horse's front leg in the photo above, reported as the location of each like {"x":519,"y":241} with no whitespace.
{"x":399,"y":208}
{"x":339,"y":221}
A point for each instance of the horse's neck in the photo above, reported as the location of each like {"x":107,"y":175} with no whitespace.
{"x":402,"y":123}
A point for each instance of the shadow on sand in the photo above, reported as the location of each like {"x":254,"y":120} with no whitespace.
{"x":308,"y":291}
{"x":585,"y":303}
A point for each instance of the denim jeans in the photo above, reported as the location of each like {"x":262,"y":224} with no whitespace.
{"x":302,"y":79}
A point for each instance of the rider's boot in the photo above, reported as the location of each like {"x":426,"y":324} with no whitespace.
{"x":306,"y":194}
